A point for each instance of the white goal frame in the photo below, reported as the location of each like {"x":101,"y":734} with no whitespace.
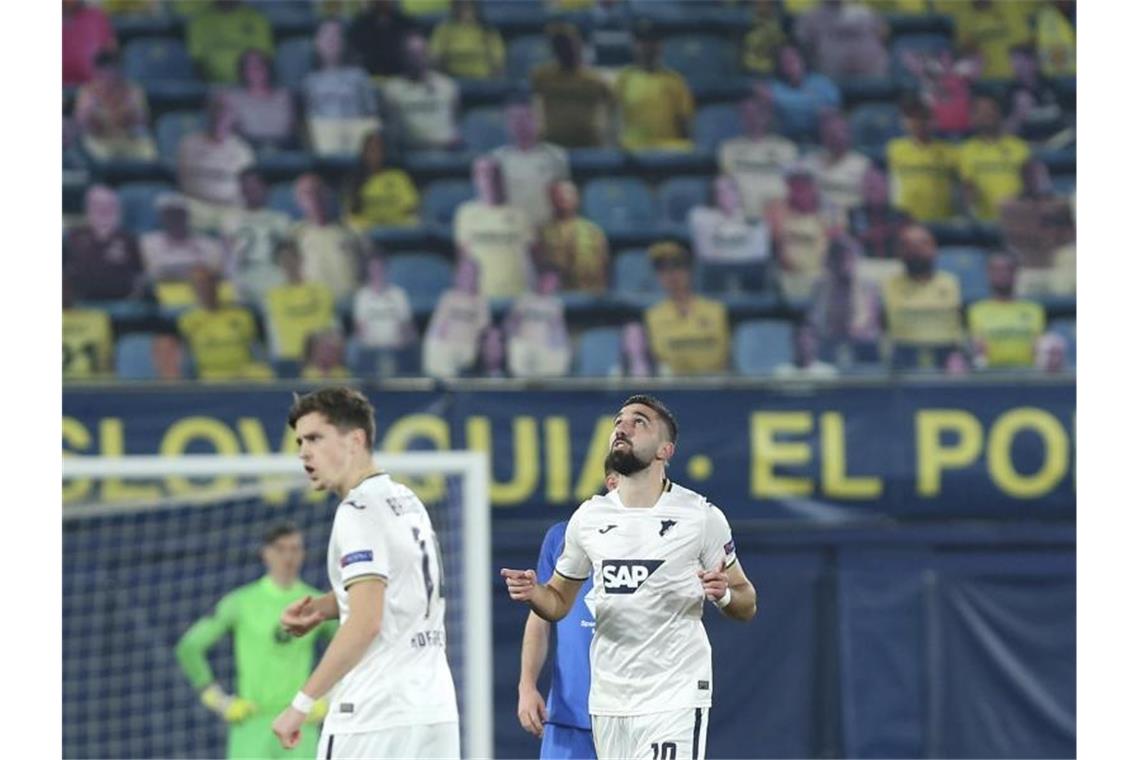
{"x":474,"y":466}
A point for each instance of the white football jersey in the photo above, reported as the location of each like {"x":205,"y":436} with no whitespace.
{"x":382,"y":530}
{"x":650,"y":652}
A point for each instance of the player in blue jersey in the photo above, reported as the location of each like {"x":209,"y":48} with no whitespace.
{"x":563,"y":720}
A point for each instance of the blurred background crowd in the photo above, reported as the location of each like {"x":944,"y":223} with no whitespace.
{"x":372,"y":189}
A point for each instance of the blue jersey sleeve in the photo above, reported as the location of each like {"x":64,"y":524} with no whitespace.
{"x":551,"y":550}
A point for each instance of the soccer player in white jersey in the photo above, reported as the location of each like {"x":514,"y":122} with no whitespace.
{"x":390,"y":689}
{"x":656,"y":551}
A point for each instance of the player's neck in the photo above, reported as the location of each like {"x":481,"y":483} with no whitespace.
{"x":283,"y":583}
{"x":642,"y":490}
{"x":357,"y":475}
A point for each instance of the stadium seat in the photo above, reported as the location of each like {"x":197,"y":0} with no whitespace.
{"x":293,"y":60}
{"x":442,"y":197}
{"x":171,"y":128}
{"x":678,"y":195}
{"x":281,"y":199}
{"x":483,"y":129}
{"x":760,"y":345}
{"x":1065,"y":184}
{"x":872,"y":124}
{"x":969,"y":264}
{"x":289,"y":18}
{"x":133,"y":357}
{"x":621,"y":207}
{"x":634,"y":275}
{"x":524,"y":53}
{"x":715,"y":124}
{"x":137,"y":201}
{"x":597,"y":352}
{"x":700,"y":57}
{"x":157,"y":63}
{"x":424,"y":276}
{"x":1067,"y":329}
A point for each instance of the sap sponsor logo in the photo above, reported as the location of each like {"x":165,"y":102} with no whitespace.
{"x":625,"y":576}
{"x":354,"y":557}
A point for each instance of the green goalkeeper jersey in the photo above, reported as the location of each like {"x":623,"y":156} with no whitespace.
{"x":271,"y":665}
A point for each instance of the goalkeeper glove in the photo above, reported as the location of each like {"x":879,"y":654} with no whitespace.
{"x":232,"y":709}
{"x":319,"y":711}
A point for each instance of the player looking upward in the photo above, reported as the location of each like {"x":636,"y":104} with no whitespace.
{"x":656,"y":551}
{"x":386,"y":672}
{"x":567,"y":731}
{"x":267,"y":660}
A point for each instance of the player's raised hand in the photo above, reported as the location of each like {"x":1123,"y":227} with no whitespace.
{"x":301,"y":616}
{"x":287,"y":727}
{"x":714,"y":582}
{"x":532,"y":710}
{"x":520,"y":583}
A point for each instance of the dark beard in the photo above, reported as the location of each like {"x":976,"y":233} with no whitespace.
{"x":625,"y":462}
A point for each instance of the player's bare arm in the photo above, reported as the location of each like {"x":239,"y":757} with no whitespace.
{"x":733,"y":583}
{"x":535,"y":645}
{"x":347,"y":648}
{"x":307,"y":613}
{"x":550,"y":601}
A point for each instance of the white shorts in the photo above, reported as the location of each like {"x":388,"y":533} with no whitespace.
{"x":436,"y":740}
{"x":672,"y":735}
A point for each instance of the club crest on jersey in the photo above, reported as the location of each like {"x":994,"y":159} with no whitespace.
{"x":625,"y":576}
{"x":354,"y":557}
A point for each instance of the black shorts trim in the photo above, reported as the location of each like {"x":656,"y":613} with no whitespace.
{"x":697,"y":735}
{"x":570,"y":577}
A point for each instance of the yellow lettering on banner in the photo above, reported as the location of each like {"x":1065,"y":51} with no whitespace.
{"x":115,"y":489}
{"x":593,"y":476}
{"x":76,"y":438}
{"x":178,"y":438}
{"x":557,"y":447}
{"x":836,"y":482}
{"x":767,"y":452}
{"x":932,"y":458}
{"x":525,"y":445}
{"x":1000,"y":463}
{"x":413,"y":427}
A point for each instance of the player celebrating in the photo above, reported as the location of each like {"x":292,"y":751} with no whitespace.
{"x":267,"y":659}
{"x":393,"y":695}
{"x":657,"y":551}
{"x":567,"y":731}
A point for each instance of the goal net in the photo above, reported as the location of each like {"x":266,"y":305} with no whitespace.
{"x":150,"y":544}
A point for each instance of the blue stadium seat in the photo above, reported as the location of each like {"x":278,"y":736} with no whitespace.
{"x":526,"y":52}
{"x":289,"y":17}
{"x":160,"y":62}
{"x":715,"y":124}
{"x":597,"y":352}
{"x":137,"y":201}
{"x":425,"y":276}
{"x":923,"y":43}
{"x":1067,"y":329}
{"x":442,"y":197}
{"x":171,"y":128}
{"x":293,"y":60}
{"x":483,"y":129}
{"x":872,"y":124}
{"x":281,"y":199}
{"x":676,"y":196}
{"x":969,"y":264}
{"x":760,"y":345}
{"x":700,"y":57}
{"x":634,"y":275}
{"x":620,"y":206}
{"x":133,"y":357}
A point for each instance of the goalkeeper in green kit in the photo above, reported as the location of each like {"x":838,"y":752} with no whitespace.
{"x":269,"y":662}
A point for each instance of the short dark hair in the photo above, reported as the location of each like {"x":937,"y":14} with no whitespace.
{"x":656,"y":405}
{"x":345,"y":408}
{"x":279,"y":530}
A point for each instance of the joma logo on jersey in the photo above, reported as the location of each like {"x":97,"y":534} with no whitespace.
{"x":624,"y":576}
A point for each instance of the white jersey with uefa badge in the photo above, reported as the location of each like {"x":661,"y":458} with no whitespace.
{"x":382,"y":530}
{"x":650,"y":653}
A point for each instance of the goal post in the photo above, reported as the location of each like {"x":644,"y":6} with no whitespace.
{"x":256,"y":477}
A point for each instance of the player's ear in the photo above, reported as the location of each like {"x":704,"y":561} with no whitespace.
{"x":666,"y":450}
